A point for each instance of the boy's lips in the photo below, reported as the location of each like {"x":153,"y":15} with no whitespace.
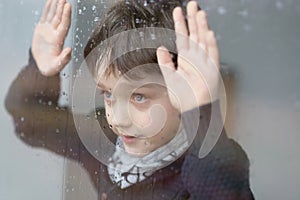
{"x":128,"y":139}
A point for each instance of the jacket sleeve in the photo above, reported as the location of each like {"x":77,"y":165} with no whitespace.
{"x":224,"y":172}
{"x":32,"y":102}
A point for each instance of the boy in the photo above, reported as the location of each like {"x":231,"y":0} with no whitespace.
{"x":146,"y":92}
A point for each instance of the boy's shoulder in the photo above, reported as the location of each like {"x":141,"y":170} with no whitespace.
{"x":222,"y":174}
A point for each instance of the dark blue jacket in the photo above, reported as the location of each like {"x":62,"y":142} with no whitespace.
{"x":222,"y":174}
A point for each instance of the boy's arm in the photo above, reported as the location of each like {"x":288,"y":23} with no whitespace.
{"x":46,"y":58}
{"x":192,"y":86}
{"x":49,"y":36}
{"x":224,"y":172}
{"x":197,"y":74}
{"x":32,"y":102}
{"x":33,"y":96}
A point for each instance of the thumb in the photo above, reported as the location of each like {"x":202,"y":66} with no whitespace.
{"x":164,"y":59}
{"x":64,"y":57}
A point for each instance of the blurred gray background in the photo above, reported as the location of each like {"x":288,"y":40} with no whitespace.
{"x":260,"y":44}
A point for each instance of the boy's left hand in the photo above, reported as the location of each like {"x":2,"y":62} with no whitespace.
{"x":195,"y":81}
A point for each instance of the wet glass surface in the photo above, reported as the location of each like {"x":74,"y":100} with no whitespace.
{"x":259,"y":44}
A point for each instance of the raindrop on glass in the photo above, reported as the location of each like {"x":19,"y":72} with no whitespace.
{"x":247,"y":27}
{"x":243,"y":13}
{"x":222,"y":10}
{"x":279,"y":5}
{"x":36,"y":12}
{"x":137,"y":20}
{"x":153,"y":37}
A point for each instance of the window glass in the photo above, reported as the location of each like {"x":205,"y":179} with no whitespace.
{"x":45,"y":156}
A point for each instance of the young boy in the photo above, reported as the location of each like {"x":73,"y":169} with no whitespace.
{"x":150,"y":97}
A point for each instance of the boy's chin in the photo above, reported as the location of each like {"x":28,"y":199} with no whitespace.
{"x":136,"y":152}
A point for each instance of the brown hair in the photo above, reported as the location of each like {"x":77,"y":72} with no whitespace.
{"x":121,"y":53}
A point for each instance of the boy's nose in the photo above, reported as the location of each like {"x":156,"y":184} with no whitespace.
{"x":120,"y":116}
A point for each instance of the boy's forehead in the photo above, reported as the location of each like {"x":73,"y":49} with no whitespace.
{"x":150,"y":80}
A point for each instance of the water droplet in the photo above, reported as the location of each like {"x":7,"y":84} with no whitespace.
{"x":79,"y":11}
{"x":222,"y":10}
{"x":22,"y":119}
{"x":243,"y":13}
{"x":93,"y":7}
{"x":36,"y":12}
{"x":153,"y":36}
{"x":137,"y":20}
{"x":57,"y":130}
{"x":247,"y":27}
{"x":279,"y":5}
{"x":141,"y":34}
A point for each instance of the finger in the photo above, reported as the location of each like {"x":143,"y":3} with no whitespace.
{"x":192,"y":22}
{"x":45,"y":11}
{"x":164,"y":59}
{"x":202,"y":27}
{"x":58,"y":14}
{"x":103,"y":196}
{"x":64,"y":57}
{"x":52,"y":10}
{"x":64,"y":25}
{"x":180,"y":29}
{"x":212,"y":48}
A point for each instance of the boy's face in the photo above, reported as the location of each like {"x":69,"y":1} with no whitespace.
{"x":139,"y":111}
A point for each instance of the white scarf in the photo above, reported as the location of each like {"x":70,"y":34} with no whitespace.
{"x":126,"y":170}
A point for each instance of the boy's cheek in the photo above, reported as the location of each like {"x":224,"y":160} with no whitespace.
{"x":151,"y":121}
{"x":141,"y":121}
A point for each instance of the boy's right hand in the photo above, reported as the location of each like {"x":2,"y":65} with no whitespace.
{"x":49,"y":36}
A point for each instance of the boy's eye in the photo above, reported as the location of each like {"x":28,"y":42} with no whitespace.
{"x":139,"y":98}
{"x":107,"y":95}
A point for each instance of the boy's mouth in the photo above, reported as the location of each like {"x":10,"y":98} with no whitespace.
{"x":129,"y":139}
